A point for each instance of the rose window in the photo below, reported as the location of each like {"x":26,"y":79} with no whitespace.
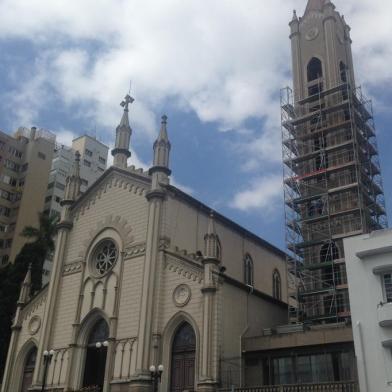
{"x":105,"y":257}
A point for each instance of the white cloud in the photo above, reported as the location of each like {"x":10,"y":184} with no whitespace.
{"x":65,"y":137}
{"x":263,"y":193}
{"x":224,"y":60}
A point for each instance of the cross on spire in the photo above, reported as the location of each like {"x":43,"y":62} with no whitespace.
{"x":125,"y":103}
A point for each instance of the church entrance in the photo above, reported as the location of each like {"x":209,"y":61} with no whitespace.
{"x":183,"y":359}
{"x":28,"y":370}
{"x":94,"y":368}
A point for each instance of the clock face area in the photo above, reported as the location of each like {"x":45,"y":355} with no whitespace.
{"x":312,"y":34}
{"x":181,"y":295}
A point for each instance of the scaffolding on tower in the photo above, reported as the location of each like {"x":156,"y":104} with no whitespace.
{"x":332,"y":190}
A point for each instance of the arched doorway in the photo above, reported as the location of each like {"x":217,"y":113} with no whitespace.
{"x":28,"y":369}
{"x":94,"y":368}
{"x":183,"y":359}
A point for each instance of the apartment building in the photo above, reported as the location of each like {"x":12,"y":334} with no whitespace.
{"x":25,"y":161}
{"x":93,"y":158}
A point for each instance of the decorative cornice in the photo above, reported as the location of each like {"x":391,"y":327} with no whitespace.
{"x":162,"y":169}
{"x":185,"y":269}
{"x":208,"y":289}
{"x":124,"y":151}
{"x":210,"y":260}
{"x":155,"y":194}
{"x":65,"y":225}
{"x":135,"y":250}
{"x":73,"y":268}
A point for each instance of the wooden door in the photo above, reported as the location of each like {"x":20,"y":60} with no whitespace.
{"x":183,"y":360}
{"x":28,"y":370}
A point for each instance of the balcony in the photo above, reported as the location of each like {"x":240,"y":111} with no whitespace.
{"x":348,"y":386}
{"x":385,"y":314}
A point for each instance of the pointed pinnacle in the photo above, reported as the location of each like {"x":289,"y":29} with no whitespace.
{"x":27,"y":279}
{"x":211,"y":223}
{"x":163,"y":131}
{"x":76,"y":165}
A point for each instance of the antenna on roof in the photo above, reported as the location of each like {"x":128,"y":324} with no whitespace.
{"x":130,"y":85}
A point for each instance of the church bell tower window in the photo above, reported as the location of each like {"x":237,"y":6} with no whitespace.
{"x":104,"y":257}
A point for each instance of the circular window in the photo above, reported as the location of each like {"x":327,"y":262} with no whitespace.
{"x":105,"y":257}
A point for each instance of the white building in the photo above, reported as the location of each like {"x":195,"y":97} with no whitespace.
{"x":93,"y":155}
{"x":369,"y":273}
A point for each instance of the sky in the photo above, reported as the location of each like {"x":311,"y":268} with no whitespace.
{"x":215,"y":68}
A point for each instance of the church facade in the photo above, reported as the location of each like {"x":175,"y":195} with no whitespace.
{"x":143,"y":274}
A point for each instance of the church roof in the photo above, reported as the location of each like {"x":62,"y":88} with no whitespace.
{"x":226,"y":221}
{"x":146,"y":179}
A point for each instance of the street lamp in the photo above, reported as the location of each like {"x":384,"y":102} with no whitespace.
{"x":47,"y":359}
{"x":156,"y":375}
{"x":102,"y":344}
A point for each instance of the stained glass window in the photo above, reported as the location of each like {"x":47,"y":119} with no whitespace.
{"x":105,"y":256}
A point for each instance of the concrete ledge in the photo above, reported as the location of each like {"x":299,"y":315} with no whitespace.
{"x":313,"y":337}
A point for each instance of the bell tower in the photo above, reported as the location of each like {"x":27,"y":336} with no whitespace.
{"x":321,"y":48}
{"x":332,"y":178}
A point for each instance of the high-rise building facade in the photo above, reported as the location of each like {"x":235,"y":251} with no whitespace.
{"x":93,"y":158}
{"x":25,"y":161}
{"x":332,"y":177}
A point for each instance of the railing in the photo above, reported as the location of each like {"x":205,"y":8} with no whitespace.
{"x":348,"y":386}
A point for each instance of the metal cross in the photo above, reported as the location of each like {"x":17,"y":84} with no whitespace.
{"x":127,"y":100}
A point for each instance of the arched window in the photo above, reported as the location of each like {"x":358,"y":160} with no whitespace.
{"x":183,"y":359}
{"x":248,"y":270}
{"x":343,"y":72}
{"x":276,"y":285}
{"x":94,"y":369}
{"x":315,"y":69}
{"x":29,"y":369}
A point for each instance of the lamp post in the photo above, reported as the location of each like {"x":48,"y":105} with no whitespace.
{"x":100,"y":344}
{"x":103,"y":345}
{"x":47,"y":359}
{"x":156,"y":375}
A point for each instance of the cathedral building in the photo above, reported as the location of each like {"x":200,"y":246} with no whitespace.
{"x":143,"y":275}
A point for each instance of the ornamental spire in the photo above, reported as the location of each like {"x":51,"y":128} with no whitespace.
{"x":73,"y":182}
{"x":123,"y":136}
{"x":24,"y":295}
{"x":160,"y":169}
{"x":211,"y":241}
{"x":162,"y":146}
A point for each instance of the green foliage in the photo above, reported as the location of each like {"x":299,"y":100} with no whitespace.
{"x":12,"y":276}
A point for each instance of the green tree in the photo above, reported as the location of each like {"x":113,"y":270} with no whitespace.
{"x":12,"y":276}
{"x":39,"y":249}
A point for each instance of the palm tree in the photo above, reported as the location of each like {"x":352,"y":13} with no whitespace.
{"x":34,"y":253}
{"x":44,"y":235}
